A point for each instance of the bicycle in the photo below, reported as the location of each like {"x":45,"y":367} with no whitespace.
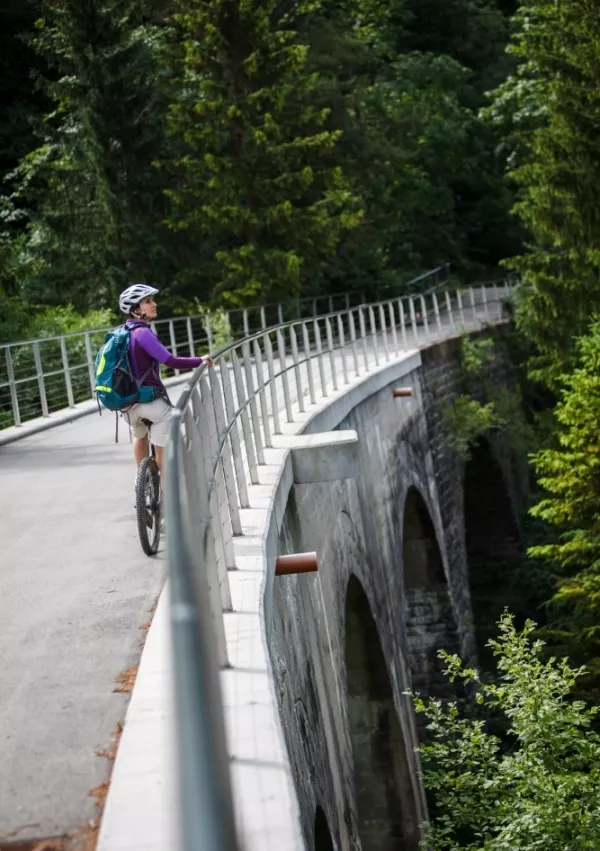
{"x":147,"y":503}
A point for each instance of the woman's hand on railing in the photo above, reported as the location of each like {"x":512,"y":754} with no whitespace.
{"x":208,"y":360}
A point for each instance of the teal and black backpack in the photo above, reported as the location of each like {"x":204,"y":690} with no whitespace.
{"x":116,"y":386}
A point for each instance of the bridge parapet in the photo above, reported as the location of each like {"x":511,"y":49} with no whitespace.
{"x":230,"y":472}
{"x":40,"y":377}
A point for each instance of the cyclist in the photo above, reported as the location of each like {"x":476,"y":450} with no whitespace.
{"x":147,"y":352}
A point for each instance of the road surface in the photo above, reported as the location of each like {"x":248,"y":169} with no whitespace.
{"x":75,"y":588}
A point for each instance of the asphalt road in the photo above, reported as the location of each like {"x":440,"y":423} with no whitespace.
{"x":75,"y":588}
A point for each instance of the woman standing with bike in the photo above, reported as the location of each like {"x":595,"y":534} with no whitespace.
{"x":147,"y":353}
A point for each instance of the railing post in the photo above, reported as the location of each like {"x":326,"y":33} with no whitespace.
{"x":272,"y":387}
{"x":228,"y":326}
{"x":190,"y":336}
{"x":284,"y":376}
{"x":248,"y":438}
{"x":450,"y":311}
{"x":252,"y":403}
{"x":224,"y":532}
{"x":173,"y":343}
{"x":363,"y":336}
{"x":461,"y":309}
{"x":14,"y":398}
{"x":484,"y":300}
{"x":472,"y":300}
{"x":308,"y":358}
{"x":342,"y":339}
{"x":392,"y":318}
{"x":209,"y":333}
{"x":383,"y":325}
{"x":299,"y":388}
{"x":280,"y":314}
{"x":373,"y":327}
{"x":331,"y":352}
{"x":194,"y":471}
{"x":436,"y":308}
{"x":320,"y":357}
{"x":353,"y":343}
{"x":262,"y":393}
{"x":245,"y":320}
{"x":40,"y":375}
{"x":263,"y":318}
{"x":496,"y":301}
{"x":202,"y":437}
{"x":403,"y":324}
{"x":234,"y":435}
{"x":232,"y":497}
{"x":65,"y":361}
{"x":90,"y":363}
{"x":413,"y":317}
{"x":424,"y":311}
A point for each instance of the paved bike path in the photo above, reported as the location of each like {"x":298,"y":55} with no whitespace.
{"x":75,"y":588}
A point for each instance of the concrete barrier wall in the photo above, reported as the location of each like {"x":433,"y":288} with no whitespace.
{"x":359,"y":529}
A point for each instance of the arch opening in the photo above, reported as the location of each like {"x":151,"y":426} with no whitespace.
{"x":323,"y":840}
{"x":428,"y":616}
{"x":385,"y":796}
{"x":493,"y":546}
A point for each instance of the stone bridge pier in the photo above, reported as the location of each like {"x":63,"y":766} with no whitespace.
{"x":393,"y":587}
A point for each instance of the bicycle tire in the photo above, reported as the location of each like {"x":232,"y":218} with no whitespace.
{"x":147,"y":504}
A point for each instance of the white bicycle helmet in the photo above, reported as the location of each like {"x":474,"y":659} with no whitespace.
{"x":132,"y":296}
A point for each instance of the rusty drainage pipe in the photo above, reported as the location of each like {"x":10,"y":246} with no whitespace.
{"x":400,"y":392}
{"x":296,"y":563}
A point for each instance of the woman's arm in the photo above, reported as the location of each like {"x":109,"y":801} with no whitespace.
{"x":150,"y":343}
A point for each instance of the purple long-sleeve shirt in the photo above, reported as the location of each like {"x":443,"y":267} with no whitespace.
{"x":147,"y":351}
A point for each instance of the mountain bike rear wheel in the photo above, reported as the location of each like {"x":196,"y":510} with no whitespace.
{"x":147,"y":499}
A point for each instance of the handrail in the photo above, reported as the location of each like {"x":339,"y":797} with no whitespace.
{"x":42,"y":375}
{"x":224,"y":420}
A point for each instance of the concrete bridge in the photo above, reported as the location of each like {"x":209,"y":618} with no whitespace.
{"x":291,"y":728}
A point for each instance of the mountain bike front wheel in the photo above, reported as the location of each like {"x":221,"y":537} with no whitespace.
{"x":147,"y":503}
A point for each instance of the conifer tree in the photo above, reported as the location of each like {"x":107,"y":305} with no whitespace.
{"x":558,"y":45}
{"x":94,"y":198}
{"x":257,"y":174}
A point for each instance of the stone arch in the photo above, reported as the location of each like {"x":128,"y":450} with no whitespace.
{"x":323,"y":840}
{"x":493,"y":545}
{"x":386,"y":808}
{"x":428,"y":616}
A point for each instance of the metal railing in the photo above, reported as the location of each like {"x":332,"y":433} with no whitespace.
{"x":222,"y":425}
{"x":42,"y":376}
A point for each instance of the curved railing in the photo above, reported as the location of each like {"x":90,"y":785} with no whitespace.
{"x":39,"y":377}
{"x":223,"y":423}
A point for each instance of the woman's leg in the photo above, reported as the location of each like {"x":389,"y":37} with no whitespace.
{"x":140,"y":449}
{"x":160,"y":453}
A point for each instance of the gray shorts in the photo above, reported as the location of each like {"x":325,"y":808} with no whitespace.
{"x":157,"y":412}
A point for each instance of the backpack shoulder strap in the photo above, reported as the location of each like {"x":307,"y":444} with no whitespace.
{"x":152,"y":369}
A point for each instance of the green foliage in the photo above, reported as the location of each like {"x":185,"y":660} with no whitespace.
{"x":466,"y":420}
{"x":554,"y":136}
{"x":48,"y":323}
{"x":319,"y":147}
{"x":92,"y":197}
{"x":258,"y":173}
{"x":54,"y":321}
{"x":569,"y":473}
{"x":221,"y":329}
{"x":476,"y":353}
{"x":541,"y":793}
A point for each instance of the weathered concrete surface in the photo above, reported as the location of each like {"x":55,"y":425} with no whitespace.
{"x":325,"y":457}
{"x":75,"y":588}
{"x":357,"y":528}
